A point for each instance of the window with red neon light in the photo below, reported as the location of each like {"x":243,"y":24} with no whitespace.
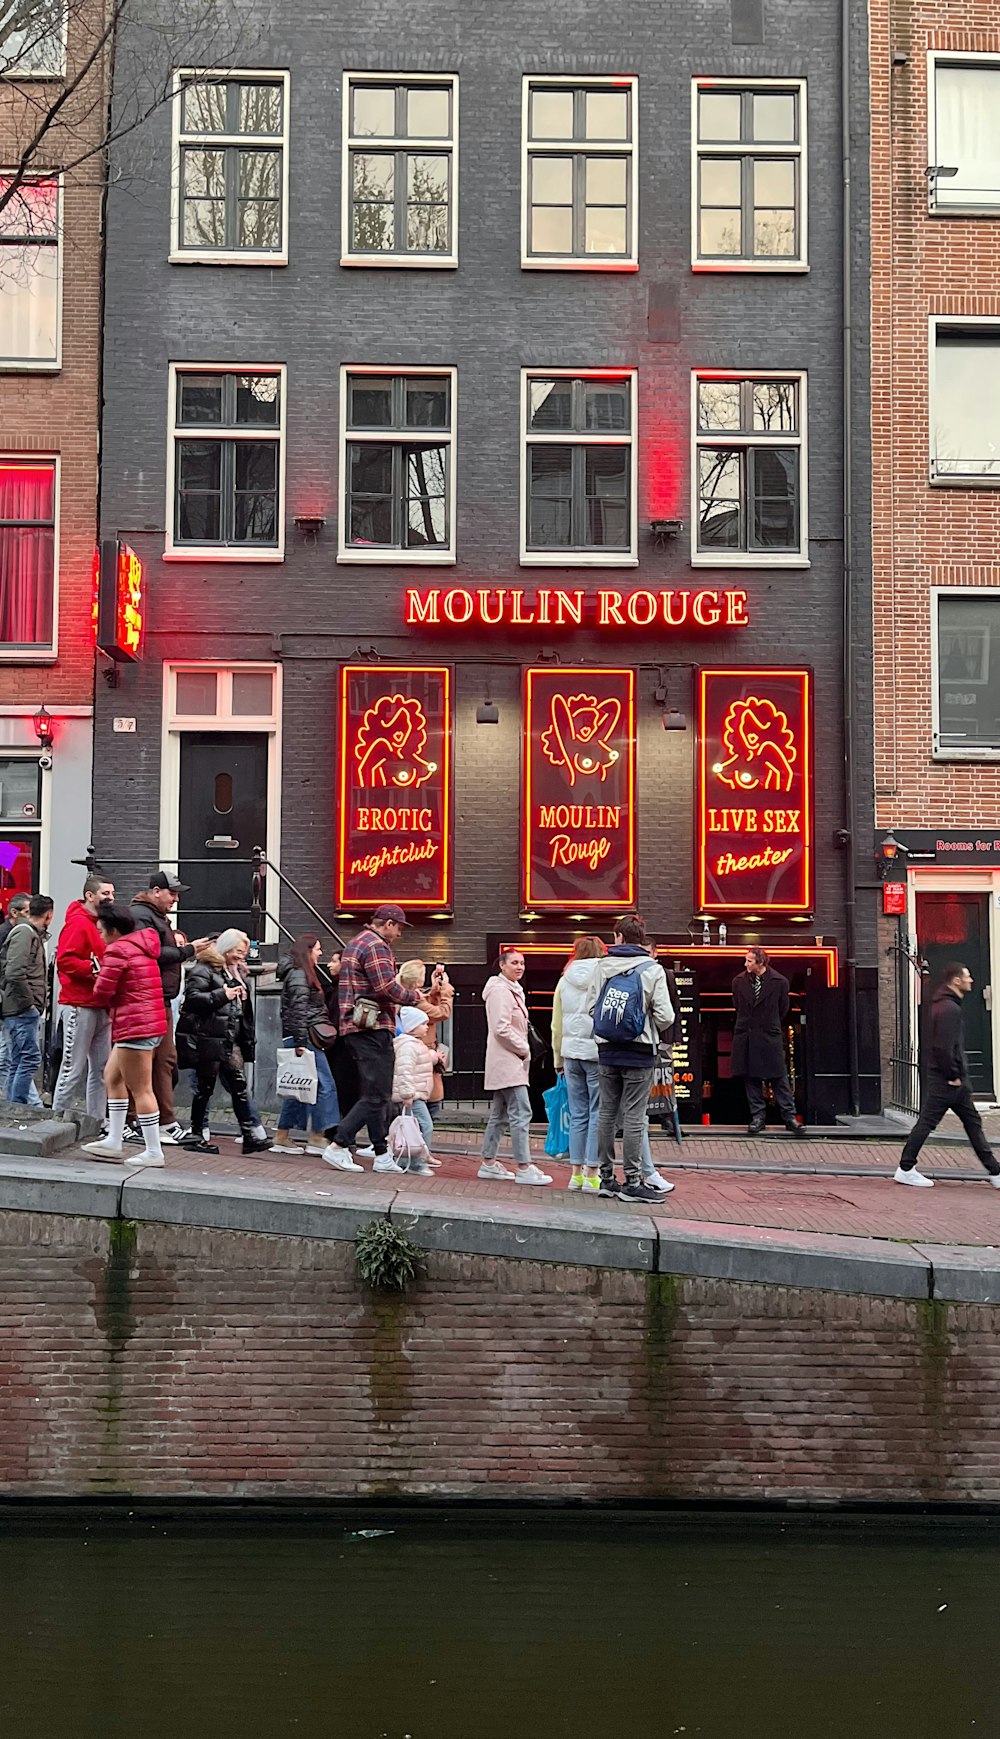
{"x":27,"y":553}
{"x":394,"y":757}
{"x":578,"y":789}
{"x":755,"y":791}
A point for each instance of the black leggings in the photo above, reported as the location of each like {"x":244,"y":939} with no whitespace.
{"x":235,"y":1083}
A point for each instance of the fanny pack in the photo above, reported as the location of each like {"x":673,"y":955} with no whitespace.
{"x":365,"y":1013}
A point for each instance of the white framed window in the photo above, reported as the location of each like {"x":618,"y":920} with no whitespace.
{"x":226,"y":462}
{"x":579,"y":174}
{"x":963,"y":133}
{"x":578,"y":471}
{"x":400,"y":170}
{"x":31,"y":274}
{"x":397,"y":462}
{"x":33,"y":39}
{"x":749,"y":181}
{"x":964,"y":401}
{"x":965,"y":657}
{"x":229,"y":192}
{"x":228,"y":696}
{"x":748,"y":473}
{"x":29,"y":556}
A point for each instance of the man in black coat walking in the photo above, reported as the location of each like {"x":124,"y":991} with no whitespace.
{"x":947,"y":1086}
{"x":761,"y":998}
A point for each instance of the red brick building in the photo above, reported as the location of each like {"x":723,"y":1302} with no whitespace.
{"x":50,"y":322}
{"x":935,"y":75}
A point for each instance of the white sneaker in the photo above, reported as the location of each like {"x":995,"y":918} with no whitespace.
{"x":385,"y":1162}
{"x":531,"y":1174}
{"x":492,"y":1169}
{"x":364,"y":1152}
{"x":146,"y":1159}
{"x":340,"y":1158}
{"x":655,"y":1182}
{"x":105,"y":1150}
{"x":174,"y":1133}
{"x":288,"y":1147}
{"x":317,"y":1148}
{"x":995,"y":1180}
{"x":914,"y":1177}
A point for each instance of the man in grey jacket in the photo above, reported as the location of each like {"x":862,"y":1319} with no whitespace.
{"x":22,"y":995}
{"x":626,"y":1062}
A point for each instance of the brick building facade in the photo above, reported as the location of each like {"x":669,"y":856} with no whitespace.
{"x":936,"y":433}
{"x":425,"y":341}
{"x":50,"y":323}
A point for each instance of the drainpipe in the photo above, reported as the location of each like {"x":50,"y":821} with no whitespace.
{"x":850,"y":905}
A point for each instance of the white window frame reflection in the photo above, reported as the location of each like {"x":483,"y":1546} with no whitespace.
{"x":974,"y":751}
{"x":568,"y":556}
{"x":50,"y":47}
{"x":226,"y":256}
{"x":9,"y":280}
{"x":720,"y":556}
{"x":948,"y":196}
{"x":969,"y":477}
{"x":579,"y":148}
{"x":746,"y":151}
{"x":425,"y":556}
{"x":397,"y":145}
{"x":176,"y":432}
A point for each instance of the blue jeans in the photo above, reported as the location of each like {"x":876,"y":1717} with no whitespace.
{"x":25,"y":1054}
{"x":34,"y":1097}
{"x":325,"y":1114}
{"x":424,"y":1120}
{"x":583,"y":1090}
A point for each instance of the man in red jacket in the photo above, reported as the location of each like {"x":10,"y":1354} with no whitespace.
{"x":86,"y":1028}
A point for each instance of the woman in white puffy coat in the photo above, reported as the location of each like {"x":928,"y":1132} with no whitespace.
{"x":574,"y":1050}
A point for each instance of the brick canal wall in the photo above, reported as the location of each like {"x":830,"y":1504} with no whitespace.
{"x":176,"y":1360}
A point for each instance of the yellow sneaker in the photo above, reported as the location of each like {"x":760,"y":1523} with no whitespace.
{"x":591,"y":1181}
{"x":576,"y":1182}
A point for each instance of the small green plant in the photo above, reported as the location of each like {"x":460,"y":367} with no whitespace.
{"x":387,"y":1260}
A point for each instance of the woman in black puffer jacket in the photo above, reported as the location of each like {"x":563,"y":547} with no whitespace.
{"x":303,"y":1003}
{"x":210,"y":1029}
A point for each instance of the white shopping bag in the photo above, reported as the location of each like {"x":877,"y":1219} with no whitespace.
{"x":297,"y":1076}
{"x":405,"y":1139}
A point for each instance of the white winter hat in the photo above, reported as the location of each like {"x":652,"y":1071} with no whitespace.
{"x":411,"y":1019}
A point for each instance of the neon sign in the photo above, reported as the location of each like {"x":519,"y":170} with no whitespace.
{"x":394,"y":786}
{"x":755,"y":791}
{"x":578,"y":789}
{"x":559,"y":607}
{"x":118,"y":602}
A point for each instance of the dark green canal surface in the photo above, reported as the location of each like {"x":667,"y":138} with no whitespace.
{"x":483,"y":1625}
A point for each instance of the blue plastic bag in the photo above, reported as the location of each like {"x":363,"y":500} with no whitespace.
{"x":557,"y":1106}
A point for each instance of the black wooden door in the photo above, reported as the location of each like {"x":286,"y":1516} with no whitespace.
{"x":954,"y":928}
{"x":223,"y":815}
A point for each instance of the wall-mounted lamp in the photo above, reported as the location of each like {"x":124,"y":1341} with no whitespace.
{"x":888,"y":851}
{"x":310,"y":525}
{"x":42,"y":722}
{"x":936,"y":172}
{"x":674,"y":719}
{"x":487,"y":712}
{"x":663,"y":530}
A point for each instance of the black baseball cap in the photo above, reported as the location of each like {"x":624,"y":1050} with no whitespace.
{"x":390,"y":915}
{"x":162,"y":879}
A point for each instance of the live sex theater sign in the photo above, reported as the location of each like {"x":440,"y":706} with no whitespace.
{"x":394,"y":786}
{"x":578,"y":789}
{"x":755,"y":791}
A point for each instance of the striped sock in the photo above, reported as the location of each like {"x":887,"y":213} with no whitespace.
{"x":117,"y":1112}
{"x":150,"y":1127}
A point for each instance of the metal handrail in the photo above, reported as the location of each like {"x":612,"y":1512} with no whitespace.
{"x":262,"y":863}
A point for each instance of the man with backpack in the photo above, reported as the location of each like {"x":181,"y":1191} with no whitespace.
{"x":632,"y":1012}
{"x":23,"y":982}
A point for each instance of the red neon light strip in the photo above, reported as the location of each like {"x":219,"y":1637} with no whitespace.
{"x":829,"y":956}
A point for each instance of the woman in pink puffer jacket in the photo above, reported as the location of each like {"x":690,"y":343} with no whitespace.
{"x":508,"y":1060}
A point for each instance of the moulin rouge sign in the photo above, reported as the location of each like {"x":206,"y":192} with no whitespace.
{"x":559,"y":607}
{"x":394,"y":785}
{"x":755,"y":791}
{"x":578,"y":789}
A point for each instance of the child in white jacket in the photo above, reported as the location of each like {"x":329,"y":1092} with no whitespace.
{"x":413,"y":1077}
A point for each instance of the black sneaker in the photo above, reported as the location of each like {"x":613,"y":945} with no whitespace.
{"x":798,"y":1129}
{"x":134,"y":1133}
{"x":252,"y":1144}
{"x":638,"y":1192}
{"x":197,"y":1144}
{"x":612,"y":1188}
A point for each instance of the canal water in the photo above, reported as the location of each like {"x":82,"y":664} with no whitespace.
{"x":485,"y":1625}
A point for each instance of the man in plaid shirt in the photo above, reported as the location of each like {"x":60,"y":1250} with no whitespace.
{"x":368,"y":976}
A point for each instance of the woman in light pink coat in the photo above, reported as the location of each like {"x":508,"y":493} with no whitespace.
{"x":508,"y":1059}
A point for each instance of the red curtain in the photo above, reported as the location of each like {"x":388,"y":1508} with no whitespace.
{"x":27,"y":554}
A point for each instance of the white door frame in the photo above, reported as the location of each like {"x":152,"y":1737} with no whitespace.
{"x":953,"y":880}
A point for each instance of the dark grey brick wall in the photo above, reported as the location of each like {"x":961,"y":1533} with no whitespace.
{"x":488,"y":319}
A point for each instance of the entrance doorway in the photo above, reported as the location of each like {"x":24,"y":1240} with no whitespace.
{"x":222,"y":816}
{"x":955,"y":927}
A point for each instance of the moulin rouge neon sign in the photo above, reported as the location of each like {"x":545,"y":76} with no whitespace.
{"x":563,"y":607}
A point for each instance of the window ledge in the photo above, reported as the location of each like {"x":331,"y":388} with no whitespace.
{"x":402,"y":262}
{"x":990,"y":755}
{"x":965,"y":481}
{"x":11,"y":367}
{"x":28,"y":655}
{"x":768,"y":267}
{"x":965,"y":210}
{"x":588,"y":265}
{"x":577,"y":559}
{"x":780,"y":559}
{"x":33,"y":78}
{"x":393,"y":557}
{"x":206,"y":553}
{"x":226,"y":257}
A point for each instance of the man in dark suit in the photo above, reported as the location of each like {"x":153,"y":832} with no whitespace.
{"x":761,"y":998}
{"x":947,"y":1087}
